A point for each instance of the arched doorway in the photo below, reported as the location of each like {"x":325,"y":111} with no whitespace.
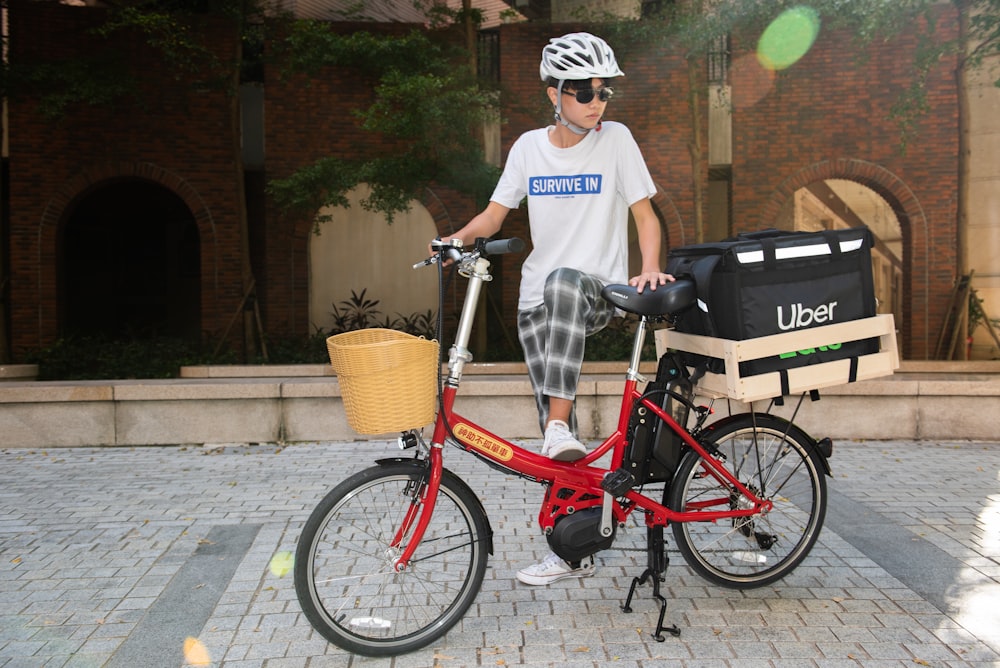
{"x":130,"y":264}
{"x":357,"y":251}
{"x":840,"y":203}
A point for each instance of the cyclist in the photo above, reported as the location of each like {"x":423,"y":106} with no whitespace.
{"x":581,"y":176}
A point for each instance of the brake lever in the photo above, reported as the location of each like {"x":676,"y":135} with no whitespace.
{"x":452,"y":250}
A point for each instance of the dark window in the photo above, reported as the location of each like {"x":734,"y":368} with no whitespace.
{"x":718,"y":61}
{"x":488,"y":55}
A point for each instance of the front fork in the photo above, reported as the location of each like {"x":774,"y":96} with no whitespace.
{"x":418,"y":515}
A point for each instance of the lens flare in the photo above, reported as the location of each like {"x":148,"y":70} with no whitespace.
{"x":195,"y":653}
{"x":788,"y":38}
{"x":281,"y":564}
{"x":751,"y":82}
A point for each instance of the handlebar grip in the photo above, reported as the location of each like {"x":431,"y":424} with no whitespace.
{"x":501,"y":246}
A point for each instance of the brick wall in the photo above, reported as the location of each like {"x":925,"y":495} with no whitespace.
{"x":824,"y":118}
{"x":175,"y":137}
{"x":829,"y":117}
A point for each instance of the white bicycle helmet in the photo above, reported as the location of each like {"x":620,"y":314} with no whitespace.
{"x":578,"y":55}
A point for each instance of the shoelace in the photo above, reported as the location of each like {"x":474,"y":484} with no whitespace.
{"x":551,"y":560}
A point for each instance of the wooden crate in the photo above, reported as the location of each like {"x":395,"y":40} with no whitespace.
{"x":802,"y":379}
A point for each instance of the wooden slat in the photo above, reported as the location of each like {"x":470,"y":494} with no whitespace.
{"x":800,"y":379}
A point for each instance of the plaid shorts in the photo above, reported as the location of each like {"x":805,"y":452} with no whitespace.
{"x":553,"y":335}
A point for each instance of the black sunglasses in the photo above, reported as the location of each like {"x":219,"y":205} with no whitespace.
{"x":586,"y":95}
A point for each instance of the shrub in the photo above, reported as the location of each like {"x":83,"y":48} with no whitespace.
{"x":360,"y":312}
{"x":98,"y":357}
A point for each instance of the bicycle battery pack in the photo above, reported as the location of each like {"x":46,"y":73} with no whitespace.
{"x":654,"y":450}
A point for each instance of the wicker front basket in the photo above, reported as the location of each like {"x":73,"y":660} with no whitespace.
{"x":388,"y":379}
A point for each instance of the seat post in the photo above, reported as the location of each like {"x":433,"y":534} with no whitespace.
{"x":637,"y":343}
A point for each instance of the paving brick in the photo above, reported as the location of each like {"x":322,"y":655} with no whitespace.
{"x":841,"y":608}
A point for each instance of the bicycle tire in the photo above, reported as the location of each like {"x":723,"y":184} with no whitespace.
{"x":777,"y":461}
{"x":344,"y":577}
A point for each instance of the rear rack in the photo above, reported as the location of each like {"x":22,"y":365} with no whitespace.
{"x":800,"y":379}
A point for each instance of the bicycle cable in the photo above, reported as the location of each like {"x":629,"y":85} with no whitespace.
{"x":442,"y":288}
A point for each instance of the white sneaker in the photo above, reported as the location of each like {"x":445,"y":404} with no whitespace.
{"x":554,"y":568}
{"x":560,"y":444}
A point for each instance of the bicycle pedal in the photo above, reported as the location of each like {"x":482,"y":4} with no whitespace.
{"x":618,"y":483}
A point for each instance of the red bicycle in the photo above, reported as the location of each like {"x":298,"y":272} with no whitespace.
{"x":394,"y":555}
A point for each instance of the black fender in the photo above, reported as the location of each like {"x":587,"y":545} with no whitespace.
{"x":452,"y":479}
{"x":822,"y":449}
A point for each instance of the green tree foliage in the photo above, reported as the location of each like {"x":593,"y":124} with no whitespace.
{"x":428,"y":110}
{"x":103,"y":76}
{"x":693,"y":29}
{"x":99,"y":79}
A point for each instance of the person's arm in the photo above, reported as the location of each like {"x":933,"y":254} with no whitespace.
{"x":485,"y":224}
{"x":647,"y":227}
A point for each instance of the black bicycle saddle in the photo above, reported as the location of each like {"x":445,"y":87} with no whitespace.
{"x":664,"y":300}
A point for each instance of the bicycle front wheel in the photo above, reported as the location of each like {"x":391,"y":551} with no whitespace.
{"x":344,"y":575}
{"x":775,"y":460}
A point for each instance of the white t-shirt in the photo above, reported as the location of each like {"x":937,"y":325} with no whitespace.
{"x":578,"y":201}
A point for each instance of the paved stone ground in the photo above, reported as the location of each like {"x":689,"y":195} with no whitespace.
{"x":116,"y":556}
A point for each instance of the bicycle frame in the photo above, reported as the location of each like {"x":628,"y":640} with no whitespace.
{"x":582,"y":476}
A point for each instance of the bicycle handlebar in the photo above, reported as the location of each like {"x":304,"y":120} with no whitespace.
{"x":501,"y":246}
{"x":454,"y":249}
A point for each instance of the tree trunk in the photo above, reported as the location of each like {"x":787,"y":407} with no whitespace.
{"x":470,"y":36}
{"x":480,"y":334}
{"x":962,"y":205}
{"x":695,"y":146}
{"x":249,"y":307}
{"x":4,"y":337}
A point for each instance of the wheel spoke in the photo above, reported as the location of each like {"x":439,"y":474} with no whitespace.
{"x":345,"y":566}
{"x":773,"y":460}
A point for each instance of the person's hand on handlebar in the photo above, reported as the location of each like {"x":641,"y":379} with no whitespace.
{"x":483,"y":225}
{"x":651,"y":278}
{"x":434,"y":248}
{"x":430,"y":244}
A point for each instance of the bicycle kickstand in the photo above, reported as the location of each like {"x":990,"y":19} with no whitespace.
{"x":656,"y":565}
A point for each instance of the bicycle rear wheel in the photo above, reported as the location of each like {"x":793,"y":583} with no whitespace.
{"x":776,"y":461}
{"x":344,"y":576}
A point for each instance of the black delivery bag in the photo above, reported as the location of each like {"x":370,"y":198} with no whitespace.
{"x":770,"y":282}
